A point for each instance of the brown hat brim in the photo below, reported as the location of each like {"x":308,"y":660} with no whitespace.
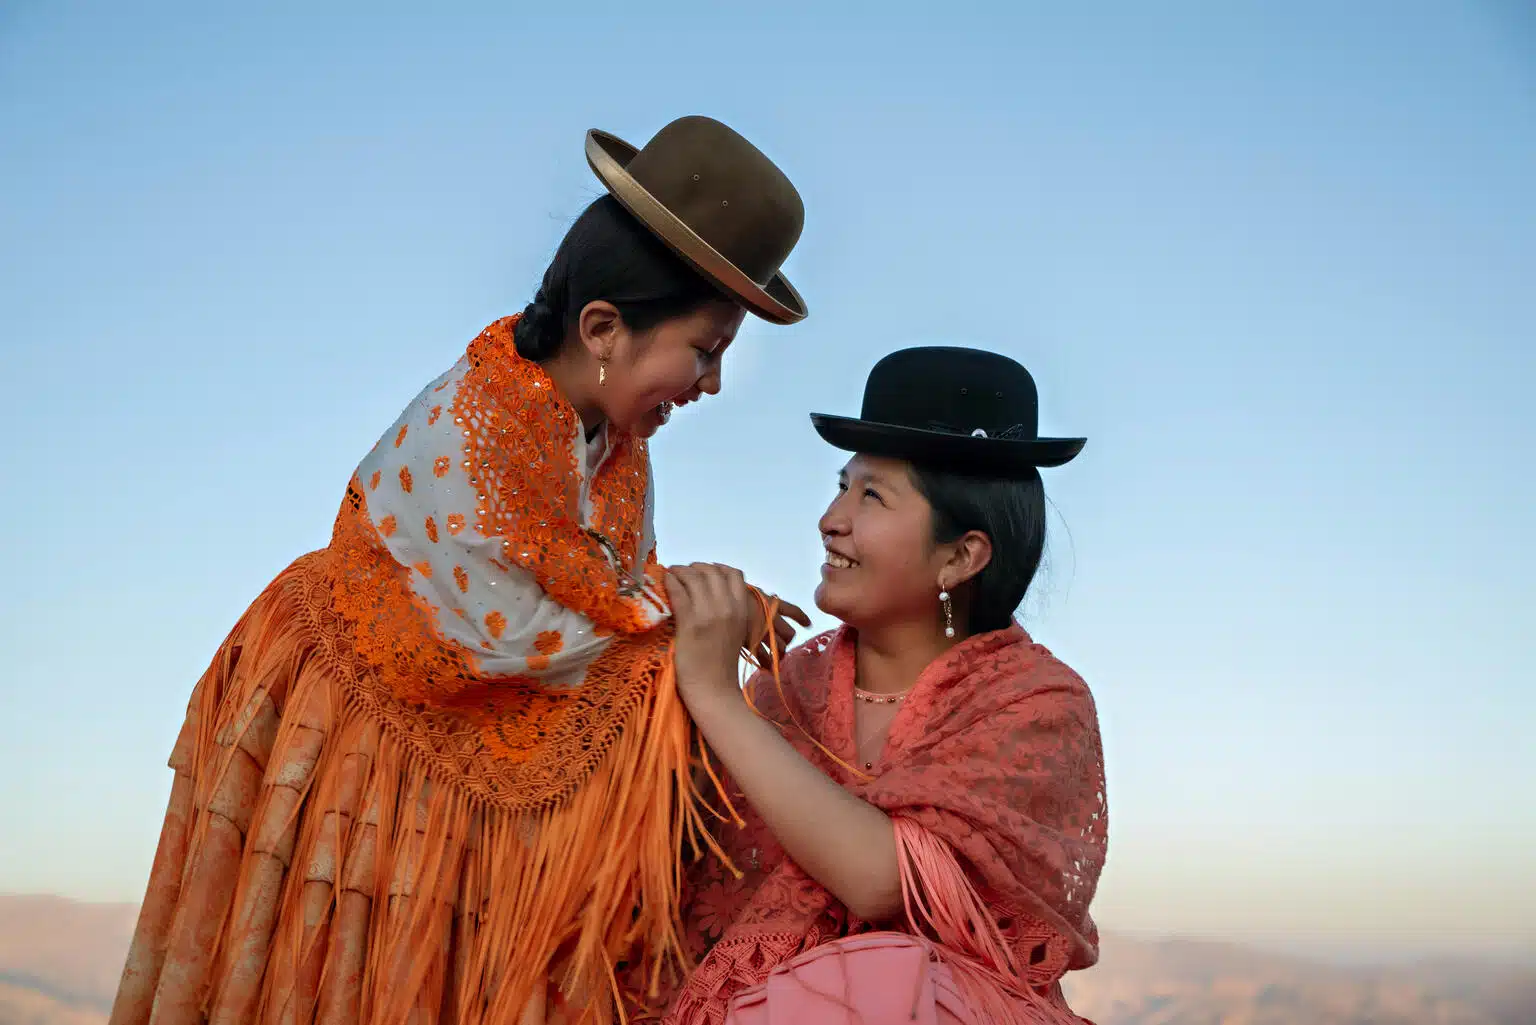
{"x":609,"y":156}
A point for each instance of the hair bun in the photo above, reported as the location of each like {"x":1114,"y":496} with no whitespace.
{"x":538,"y":332}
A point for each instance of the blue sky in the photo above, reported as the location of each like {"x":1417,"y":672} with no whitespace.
{"x":1274,"y":261}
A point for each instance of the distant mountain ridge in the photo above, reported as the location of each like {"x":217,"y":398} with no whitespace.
{"x":1177,"y":981}
{"x":60,"y":961}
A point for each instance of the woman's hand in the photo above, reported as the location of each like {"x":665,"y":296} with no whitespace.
{"x":717,"y":615}
{"x":844,"y":843}
{"x":783,"y":629}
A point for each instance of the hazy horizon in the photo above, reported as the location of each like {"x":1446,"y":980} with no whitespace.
{"x":1274,"y":262}
{"x":1341,"y":953}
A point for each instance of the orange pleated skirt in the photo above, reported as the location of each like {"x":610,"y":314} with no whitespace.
{"x":313,"y":867}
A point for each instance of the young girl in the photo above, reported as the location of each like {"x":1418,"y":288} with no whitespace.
{"x":438,"y":771}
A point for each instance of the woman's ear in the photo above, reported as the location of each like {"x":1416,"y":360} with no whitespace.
{"x":969,"y":555}
{"x":598,"y":327}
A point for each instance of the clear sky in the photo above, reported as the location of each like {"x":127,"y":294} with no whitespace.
{"x":1274,"y":260}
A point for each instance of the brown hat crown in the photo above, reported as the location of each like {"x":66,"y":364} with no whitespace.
{"x":726,"y":190}
{"x":717,"y":200}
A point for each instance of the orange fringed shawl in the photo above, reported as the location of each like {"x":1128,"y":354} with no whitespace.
{"x":441,"y":762}
{"x":995,"y":753}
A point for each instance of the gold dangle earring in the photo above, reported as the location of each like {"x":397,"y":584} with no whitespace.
{"x":602,"y":371}
{"x":949,"y":613}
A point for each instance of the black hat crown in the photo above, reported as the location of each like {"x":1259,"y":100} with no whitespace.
{"x":966,"y":410}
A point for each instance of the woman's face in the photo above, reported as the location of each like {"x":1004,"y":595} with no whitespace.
{"x":673,"y":363}
{"x":882,"y":566}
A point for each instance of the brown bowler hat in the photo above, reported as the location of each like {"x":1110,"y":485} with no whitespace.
{"x":717,"y":201}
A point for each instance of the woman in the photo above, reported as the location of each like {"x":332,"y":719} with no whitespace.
{"x":926,"y":766}
{"x":440,"y":764}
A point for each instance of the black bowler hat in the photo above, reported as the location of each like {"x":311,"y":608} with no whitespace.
{"x":966,"y":410}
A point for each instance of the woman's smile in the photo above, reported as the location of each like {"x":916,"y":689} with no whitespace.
{"x":836,"y":560}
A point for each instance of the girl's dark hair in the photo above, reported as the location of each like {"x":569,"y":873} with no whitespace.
{"x":1012,"y":514}
{"x":608,"y":255}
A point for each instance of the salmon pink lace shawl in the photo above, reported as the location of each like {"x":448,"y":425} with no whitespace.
{"x":996,"y":752}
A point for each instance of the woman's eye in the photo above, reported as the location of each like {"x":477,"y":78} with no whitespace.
{"x":870,"y":493}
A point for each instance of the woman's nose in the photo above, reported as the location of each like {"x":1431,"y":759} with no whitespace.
{"x":833,"y":523}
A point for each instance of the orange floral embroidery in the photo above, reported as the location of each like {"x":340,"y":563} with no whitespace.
{"x":373,"y":482}
{"x":401,"y":436}
{"x":387,"y":526}
{"x":432,"y":416}
{"x":440,"y":466}
{"x":545,"y":644}
{"x":521,"y":463}
{"x":518,"y":437}
{"x":496,"y":623}
{"x":405,"y":479}
{"x":517,"y":725}
{"x":424,"y":568}
{"x":431,"y":526}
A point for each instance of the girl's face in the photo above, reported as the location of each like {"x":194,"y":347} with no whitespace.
{"x":881,"y":567}
{"x":673,"y":363}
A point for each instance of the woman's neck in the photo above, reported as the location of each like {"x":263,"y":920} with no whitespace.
{"x":890,"y":659}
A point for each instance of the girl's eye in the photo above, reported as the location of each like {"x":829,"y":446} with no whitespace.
{"x":870,"y":493}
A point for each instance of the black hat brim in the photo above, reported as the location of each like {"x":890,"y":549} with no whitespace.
{"x":962,"y":453}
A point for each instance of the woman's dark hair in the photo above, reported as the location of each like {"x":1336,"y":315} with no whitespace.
{"x":1012,"y":514}
{"x":608,"y":255}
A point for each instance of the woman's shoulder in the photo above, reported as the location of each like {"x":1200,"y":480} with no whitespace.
{"x":1016,"y":674}
{"x":805,"y":676}
{"x":819,"y":646}
{"x":810,"y":662}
